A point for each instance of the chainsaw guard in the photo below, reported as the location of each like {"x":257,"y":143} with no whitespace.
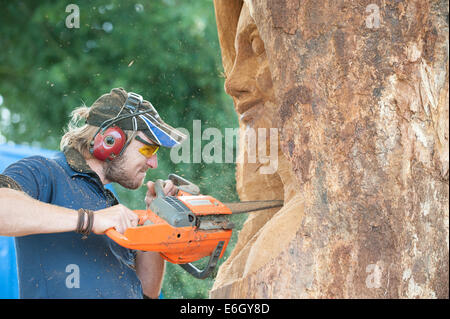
{"x":212,"y":263}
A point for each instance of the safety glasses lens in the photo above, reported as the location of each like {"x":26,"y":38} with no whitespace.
{"x":149,"y":150}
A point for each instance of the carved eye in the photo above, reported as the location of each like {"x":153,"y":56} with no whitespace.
{"x":109,"y":140}
{"x":257,"y":45}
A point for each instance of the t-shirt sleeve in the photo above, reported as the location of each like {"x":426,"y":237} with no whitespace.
{"x":31,"y":175}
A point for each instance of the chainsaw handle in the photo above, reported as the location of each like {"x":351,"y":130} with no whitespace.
{"x":117,"y":237}
{"x":122,"y":239}
{"x":159,"y":188}
{"x":184,"y":185}
{"x":212,"y":263}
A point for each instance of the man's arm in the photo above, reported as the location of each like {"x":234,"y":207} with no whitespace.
{"x":22,"y":215}
{"x":150,"y":268}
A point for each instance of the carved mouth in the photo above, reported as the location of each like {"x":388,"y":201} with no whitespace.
{"x":249,"y":110}
{"x":251,"y":114}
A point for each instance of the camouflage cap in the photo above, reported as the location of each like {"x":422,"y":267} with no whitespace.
{"x":111,"y":108}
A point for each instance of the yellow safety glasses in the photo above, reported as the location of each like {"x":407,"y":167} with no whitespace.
{"x":148,"y":150}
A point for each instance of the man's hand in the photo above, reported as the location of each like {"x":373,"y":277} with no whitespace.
{"x":169,"y":190}
{"x":117,"y":216}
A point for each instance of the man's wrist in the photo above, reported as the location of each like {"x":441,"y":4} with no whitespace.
{"x":85,"y":222}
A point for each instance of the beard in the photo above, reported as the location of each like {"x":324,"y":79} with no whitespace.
{"x":116,"y":172}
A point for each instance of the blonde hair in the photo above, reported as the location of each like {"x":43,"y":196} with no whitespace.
{"x":76,"y":136}
{"x":80,"y":137}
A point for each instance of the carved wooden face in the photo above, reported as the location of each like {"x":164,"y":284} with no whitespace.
{"x":249,"y":83}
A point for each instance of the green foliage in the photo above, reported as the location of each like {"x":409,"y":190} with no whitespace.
{"x":165,"y":50}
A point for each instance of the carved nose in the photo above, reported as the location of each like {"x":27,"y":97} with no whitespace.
{"x":236,"y":87}
{"x":240,"y":82}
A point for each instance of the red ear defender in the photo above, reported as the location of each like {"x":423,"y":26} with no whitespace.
{"x":108,"y":144}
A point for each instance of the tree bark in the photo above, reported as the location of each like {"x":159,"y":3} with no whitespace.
{"x":361,"y":104}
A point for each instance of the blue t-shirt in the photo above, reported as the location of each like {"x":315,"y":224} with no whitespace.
{"x":63,"y":265}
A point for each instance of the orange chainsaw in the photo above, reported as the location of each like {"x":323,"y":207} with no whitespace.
{"x":186,"y":227}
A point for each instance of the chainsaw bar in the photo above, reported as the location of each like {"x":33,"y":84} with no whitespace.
{"x":216,"y":221}
{"x":251,"y":206}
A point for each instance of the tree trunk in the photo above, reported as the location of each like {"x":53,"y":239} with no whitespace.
{"x":361,"y":103}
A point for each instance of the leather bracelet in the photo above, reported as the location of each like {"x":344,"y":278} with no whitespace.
{"x":85,"y":231}
{"x":80,"y":222}
{"x":90,"y":222}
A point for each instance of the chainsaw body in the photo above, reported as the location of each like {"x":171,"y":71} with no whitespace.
{"x":182,"y":228}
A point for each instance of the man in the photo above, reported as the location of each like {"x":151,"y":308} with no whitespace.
{"x":58,"y":208}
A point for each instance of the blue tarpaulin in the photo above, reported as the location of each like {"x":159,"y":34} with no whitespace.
{"x":9,"y":287}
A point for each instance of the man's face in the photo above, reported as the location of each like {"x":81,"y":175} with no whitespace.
{"x":129,"y":170}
